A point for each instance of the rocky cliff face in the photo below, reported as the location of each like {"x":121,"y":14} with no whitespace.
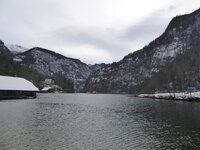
{"x":181,"y":34}
{"x":96,"y":67}
{"x":177,"y":76}
{"x":3,"y":49}
{"x":51,"y":63}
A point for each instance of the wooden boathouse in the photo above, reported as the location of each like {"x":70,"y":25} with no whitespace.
{"x":16,"y":88}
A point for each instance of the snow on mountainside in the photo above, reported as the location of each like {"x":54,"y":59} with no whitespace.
{"x":15,"y":49}
{"x":51,"y":63}
{"x":182,"y":32}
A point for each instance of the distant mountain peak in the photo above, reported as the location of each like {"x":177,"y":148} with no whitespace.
{"x":50,"y":63}
{"x":15,"y":49}
{"x":53,"y":53}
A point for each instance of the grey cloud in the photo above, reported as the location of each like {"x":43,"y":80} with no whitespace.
{"x":43,"y":23}
{"x":113,"y":41}
{"x":25,"y":21}
{"x":105,"y":41}
{"x":148,"y":29}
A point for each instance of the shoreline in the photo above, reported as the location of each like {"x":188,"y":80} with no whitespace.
{"x":191,"y":97}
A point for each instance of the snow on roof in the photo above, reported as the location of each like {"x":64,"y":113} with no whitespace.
{"x":16,"y":84}
{"x":46,"y":88}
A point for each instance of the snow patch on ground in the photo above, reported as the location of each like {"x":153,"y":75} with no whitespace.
{"x":46,"y":88}
{"x":17,"y":59}
{"x":179,"y":96}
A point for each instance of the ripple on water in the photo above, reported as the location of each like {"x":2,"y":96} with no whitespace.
{"x":100,"y":122}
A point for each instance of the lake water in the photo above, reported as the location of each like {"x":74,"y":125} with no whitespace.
{"x":98,"y":122}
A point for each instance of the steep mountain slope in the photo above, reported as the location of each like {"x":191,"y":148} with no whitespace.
{"x":181,"y":73}
{"x":3,"y":49}
{"x":11,"y":68}
{"x":51,"y":63}
{"x":181,"y":34}
{"x":96,"y":67}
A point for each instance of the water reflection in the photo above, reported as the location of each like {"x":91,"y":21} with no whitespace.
{"x":88,"y":122}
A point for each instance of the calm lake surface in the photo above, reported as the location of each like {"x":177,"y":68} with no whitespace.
{"x":98,"y":122}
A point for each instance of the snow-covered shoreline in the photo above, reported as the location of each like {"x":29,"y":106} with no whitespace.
{"x":184,"y":96}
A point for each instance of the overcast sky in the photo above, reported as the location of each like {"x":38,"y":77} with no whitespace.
{"x":93,"y":31}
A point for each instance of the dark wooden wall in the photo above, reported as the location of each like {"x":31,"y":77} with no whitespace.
{"x":4,"y":94}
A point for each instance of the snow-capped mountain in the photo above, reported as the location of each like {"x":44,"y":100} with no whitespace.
{"x":50,"y":63}
{"x":181,"y":34}
{"x":15,"y":49}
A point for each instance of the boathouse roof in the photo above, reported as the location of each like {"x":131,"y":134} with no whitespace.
{"x":16,"y":84}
